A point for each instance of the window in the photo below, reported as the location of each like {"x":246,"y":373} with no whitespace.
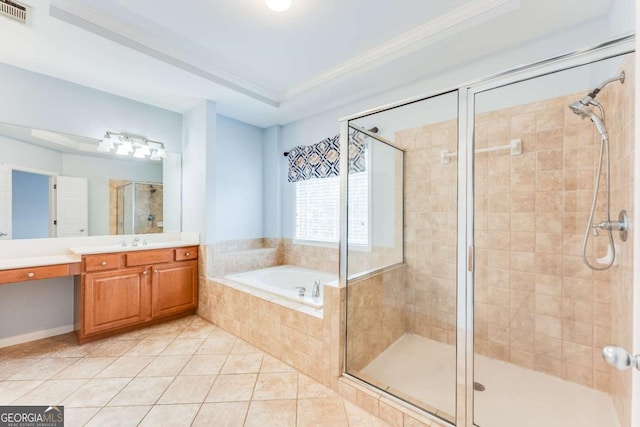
{"x":317,"y":210}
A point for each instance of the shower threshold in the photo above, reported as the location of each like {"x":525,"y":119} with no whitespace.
{"x":425,"y":370}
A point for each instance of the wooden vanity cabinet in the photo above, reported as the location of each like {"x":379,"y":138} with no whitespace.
{"x":128,"y":290}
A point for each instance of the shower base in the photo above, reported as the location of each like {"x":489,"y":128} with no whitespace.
{"x":425,"y":370}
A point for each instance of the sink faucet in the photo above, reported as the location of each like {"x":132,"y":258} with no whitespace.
{"x":135,"y":241}
{"x":316,"y":289}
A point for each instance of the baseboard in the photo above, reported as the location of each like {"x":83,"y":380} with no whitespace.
{"x":33,"y":336}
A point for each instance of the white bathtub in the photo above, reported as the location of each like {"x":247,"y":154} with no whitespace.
{"x":283,"y":280}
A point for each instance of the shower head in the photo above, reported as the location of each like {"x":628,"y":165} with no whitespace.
{"x":582,"y":109}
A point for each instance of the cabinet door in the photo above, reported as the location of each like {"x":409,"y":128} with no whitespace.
{"x":115,"y":299}
{"x":174,"y":288}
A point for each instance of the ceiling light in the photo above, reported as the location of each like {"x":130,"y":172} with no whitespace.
{"x":278,"y":5}
{"x":137,"y":146}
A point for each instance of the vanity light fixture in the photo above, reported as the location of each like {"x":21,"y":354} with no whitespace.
{"x":126,"y":145}
{"x":278,"y":5}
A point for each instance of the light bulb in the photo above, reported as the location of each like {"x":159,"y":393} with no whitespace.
{"x":125,"y":145}
{"x":159,"y":154}
{"x":105,"y":145}
{"x":122,"y":150}
{"x":278,"y":5}
{"x":139,"y":153}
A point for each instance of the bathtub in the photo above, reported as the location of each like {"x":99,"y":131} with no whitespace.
{"x":283,"y":280}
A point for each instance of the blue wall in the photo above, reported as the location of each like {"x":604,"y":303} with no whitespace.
{"x":30,"y":206}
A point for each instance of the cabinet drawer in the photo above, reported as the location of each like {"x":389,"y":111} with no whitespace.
{"x":156,"y":256}
{"x":183,"y":254}
{"x":33,"y":273}
{"x":101,"y":262}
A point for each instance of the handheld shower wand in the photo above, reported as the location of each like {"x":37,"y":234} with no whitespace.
{"x":582,"y":109}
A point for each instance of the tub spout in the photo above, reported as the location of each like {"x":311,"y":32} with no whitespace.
{"x":316,"y":289}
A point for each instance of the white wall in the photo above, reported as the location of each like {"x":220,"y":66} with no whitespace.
{"x":199,"y":126}
{"x":238,"y":185}
{"x":99,"y":171}
{"x":272,"y":163}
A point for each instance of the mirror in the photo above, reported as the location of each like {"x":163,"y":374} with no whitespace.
{"x":59,"y":185}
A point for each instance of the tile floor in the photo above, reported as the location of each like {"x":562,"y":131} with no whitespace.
{"x":182,"y":373}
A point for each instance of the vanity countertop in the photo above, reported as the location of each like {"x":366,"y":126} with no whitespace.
{"x":25,"y":262}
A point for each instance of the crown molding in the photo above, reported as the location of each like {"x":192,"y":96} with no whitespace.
{"x":443,"y":27}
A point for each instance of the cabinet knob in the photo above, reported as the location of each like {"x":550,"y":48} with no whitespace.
{"x":32,"y":274}
{"x":103,"y":263}
{"x":144,"y":273}
{"x":188,"y":254}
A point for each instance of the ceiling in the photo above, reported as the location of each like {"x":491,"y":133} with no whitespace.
{"x":264,"y":67}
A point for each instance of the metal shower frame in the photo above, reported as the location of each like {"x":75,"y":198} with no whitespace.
{"x":465,"y":205}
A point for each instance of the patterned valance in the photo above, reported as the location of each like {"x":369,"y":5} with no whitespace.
{"x":322,"y":160}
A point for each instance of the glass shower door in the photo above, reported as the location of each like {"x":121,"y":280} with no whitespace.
{"x":541,"y":315}
{"x":401,"y":253}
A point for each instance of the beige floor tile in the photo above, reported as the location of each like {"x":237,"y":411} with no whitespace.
{"x":119,"y":416}
{"x":197,"y":332}
{"x":78,"y":416}
{"x":204,"y":365}
{"x":271,"y":364}
{"x":126,"y":367}
{"x":112,"y":348}
{"x":12,"y":390}
{"x":149,"y":347}
{"x":242,"y":363}
{"x":216,"y":346}
{"x":75,"y":351}
{"x":359,"y":417}
{"x":85,"y":368}
{"x":182,"y":347}
{"x":232,"y":388}
{"x":165,"y":366}
{"x":96,"y":392}
{"x":281,"y":413}
{"x":44,"y":369}
{"x":276,"y":386}
{"x":242,"y":346}
{"x":322,"y":412}
{"x":51,"y":392}
{"x":309,"y":388}
{"x":142,"y":391}
{"x":221,"y":334}
{"x":189,"y":389}
{"x":223,"y":414}
{"x":170,"y":415}
{"x":10,"y":367}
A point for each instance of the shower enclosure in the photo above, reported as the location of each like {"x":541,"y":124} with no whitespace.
{"x":467,"y":295}
{"x":139,"y":208}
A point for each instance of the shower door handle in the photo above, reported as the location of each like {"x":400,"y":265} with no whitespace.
{"x":620,"y":358}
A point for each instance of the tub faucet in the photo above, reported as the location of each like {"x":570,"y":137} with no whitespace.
{"x":316,"y":289}
{"x":301,"y":291}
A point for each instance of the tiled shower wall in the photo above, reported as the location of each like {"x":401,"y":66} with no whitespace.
{"x":537,"y":305}
{"x":621,"y":125}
